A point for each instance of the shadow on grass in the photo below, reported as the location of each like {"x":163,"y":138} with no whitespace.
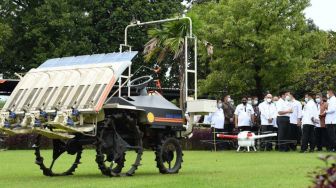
{"x":136,"y":175}
{"x":94,"y":175}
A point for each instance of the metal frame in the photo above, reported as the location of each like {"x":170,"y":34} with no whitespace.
{"x":128,"y":76}
{"x":187,"y":37}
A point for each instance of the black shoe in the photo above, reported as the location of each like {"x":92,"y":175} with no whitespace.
{"x":311,"y":151}
{"x":319,"y":149}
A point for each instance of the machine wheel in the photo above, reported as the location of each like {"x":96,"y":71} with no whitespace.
{"x":169,"y":156}
{"x":111,"y":148}
{"x":59,"y":148}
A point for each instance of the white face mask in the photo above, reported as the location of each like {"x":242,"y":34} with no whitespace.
{"x":288,"y":98}
{"x":249,"y":102}
{"x":318,"y":100}
{"x":255,"y":102}
{"x":269,"y":100}
{"x":328,"y":96}
{"x":306,"y":100}
{"x":219,"y":105}
{"x":229,"y":99}
{"x":232,"y":102}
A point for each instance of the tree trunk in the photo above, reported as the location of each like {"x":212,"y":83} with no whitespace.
{"x":182,"y":85}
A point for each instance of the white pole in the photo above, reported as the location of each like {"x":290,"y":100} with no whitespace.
{"x":186,"y":66}
{"x":195,"y":73}
{"x":158,"y":21}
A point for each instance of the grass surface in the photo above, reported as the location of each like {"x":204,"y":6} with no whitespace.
{"x":200,"y":169}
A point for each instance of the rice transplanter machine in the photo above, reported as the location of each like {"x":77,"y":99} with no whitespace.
{"x":71,"y":101}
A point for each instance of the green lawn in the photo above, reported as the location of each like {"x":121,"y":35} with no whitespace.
{"x":200,"y":169}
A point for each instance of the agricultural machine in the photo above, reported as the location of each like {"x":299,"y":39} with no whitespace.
{"x":71,"y":101}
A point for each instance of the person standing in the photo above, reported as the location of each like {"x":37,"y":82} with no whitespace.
{"x":244,"y":115}
{"x":249,"y":101}
{"x":320,"y":129}
{"x":295,"y":122}
{"x":284,"y":110}
{"x":216,"y":118}
{"x":330,"y":119}
{"x":256,"y":122}
{"x":268,"y":113}
{"x":275,"y":125}
{"x":229,"y":114}
{"x":309,"y":119}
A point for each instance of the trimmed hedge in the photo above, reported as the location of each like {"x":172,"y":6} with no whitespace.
{"x":25,"y":141}
{"x":197,"y":142}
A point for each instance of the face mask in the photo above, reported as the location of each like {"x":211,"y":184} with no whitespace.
{"x":328,"y":96}
{"x":306,"y":100}
{"x":244,"y":102}
{"x":288,"y":98}
{"x":249,"y":102}
{"x":269,"y":100}
{"x":318,"y":100}
{"x":219,"y":105}
{"x":229,"y":99}
{"x":255,"y":102}
{"x":232,"y":102}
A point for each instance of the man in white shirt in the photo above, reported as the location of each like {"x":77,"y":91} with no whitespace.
{"x":330,"y":119}
{"x":244,"y":115}
{"x":295,"y":122}
{"x":268,"y":113}
{"x":284,"y":110}
{"x":309,"y":119}
{"x":216,"y":118}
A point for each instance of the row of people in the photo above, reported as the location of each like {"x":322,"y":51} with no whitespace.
{"x":314,"y":119}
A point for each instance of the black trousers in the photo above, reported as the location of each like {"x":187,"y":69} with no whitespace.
{"x":228,"y":128}
{"x":229,"y":144}
{"x":321,"y":137}
{"x":283,"y":133}
{"x":331,"y":135}
{"x":294,"y":136}
{"x":266,"y":143}
{"x":308,"y":136}
{"x":244,"y":128}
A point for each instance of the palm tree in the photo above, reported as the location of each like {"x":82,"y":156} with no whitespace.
{"x":169,"y":40}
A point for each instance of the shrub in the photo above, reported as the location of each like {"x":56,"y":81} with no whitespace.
{"x":25,"y":141}
{"x":325,"y":177}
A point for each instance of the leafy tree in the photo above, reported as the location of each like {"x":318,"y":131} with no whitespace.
{"x":45,"y":29}
{"x":169,"y":40}
{"x":5,"y":33}
{"x":259,"y":45}
{"x":320,"y":74}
